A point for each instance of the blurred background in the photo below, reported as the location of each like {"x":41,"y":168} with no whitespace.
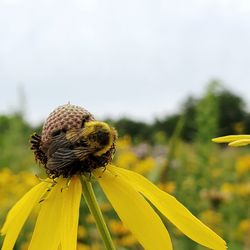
{"x":169,"y":75}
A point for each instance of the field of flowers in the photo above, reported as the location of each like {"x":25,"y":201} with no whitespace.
{"x":212,"y":181}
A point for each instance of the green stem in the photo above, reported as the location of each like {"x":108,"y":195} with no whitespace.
{"x":89,"y":196}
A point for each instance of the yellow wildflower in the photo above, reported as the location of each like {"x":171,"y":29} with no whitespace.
{"x":117,"y":227}
{"x":233,"y":140}
{"x":127,"y":240}
{"x":213,"y":219}
{"x":243,"y":165}
{"x":74,"y":144}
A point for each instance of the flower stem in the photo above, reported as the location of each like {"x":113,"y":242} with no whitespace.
{"x":89,"y":196}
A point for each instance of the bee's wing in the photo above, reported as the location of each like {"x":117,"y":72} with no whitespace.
{"x":62,"y":158}
{"x":63,"y":152}
{"x":82,"y":152}
{"x":73,"y":135}
{"x":56,"y":143}
{"x":59,"y":153}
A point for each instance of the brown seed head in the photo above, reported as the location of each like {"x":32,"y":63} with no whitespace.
{"x":64,"y":117}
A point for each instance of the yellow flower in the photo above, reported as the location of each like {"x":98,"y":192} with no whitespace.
{"x":127,"y":240}
{"x":82,"y":233}
{"x":234,"y":140}
{"x":74,"y":144}
{"x":168,"y":187}
{"x":57,"y":221}
{"x":117,"y":227}
{"x":243,"y":165}
{"x":212,"y":218}
{"x":244,"y":228}
{"x":242,"y":189}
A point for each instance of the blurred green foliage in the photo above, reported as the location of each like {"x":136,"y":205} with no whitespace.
{"x":14,"y":141}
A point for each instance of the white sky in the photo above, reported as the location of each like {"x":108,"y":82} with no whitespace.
{"x":139,"y":58}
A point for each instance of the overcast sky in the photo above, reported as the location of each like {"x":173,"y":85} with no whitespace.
{"x":139,"y":58}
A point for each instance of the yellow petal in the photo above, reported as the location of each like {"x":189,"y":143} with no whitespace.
{"x":230,"y":138}
{"x":135,"y":212}
{"x":47,"y":232}
{"x":173,"y":210}
{"x":70,"y":214}
{"x":19,"y":214}
{"x":239,"y":143}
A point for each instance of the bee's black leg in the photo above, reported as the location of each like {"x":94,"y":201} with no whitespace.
{"x":104,"y":169}
{"x":35,"y":141}
{"x":47,"y":192}
{"x":51,"y":181}
{"x":89,"y":175}
{"x":67,"y":184}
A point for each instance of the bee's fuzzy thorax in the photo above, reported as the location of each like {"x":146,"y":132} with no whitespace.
{"x":105,"y":134}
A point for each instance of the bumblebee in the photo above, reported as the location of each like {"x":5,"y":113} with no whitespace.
{"x":75,"y":150}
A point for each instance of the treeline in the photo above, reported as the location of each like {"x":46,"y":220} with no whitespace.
{"x":218,"y":104}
